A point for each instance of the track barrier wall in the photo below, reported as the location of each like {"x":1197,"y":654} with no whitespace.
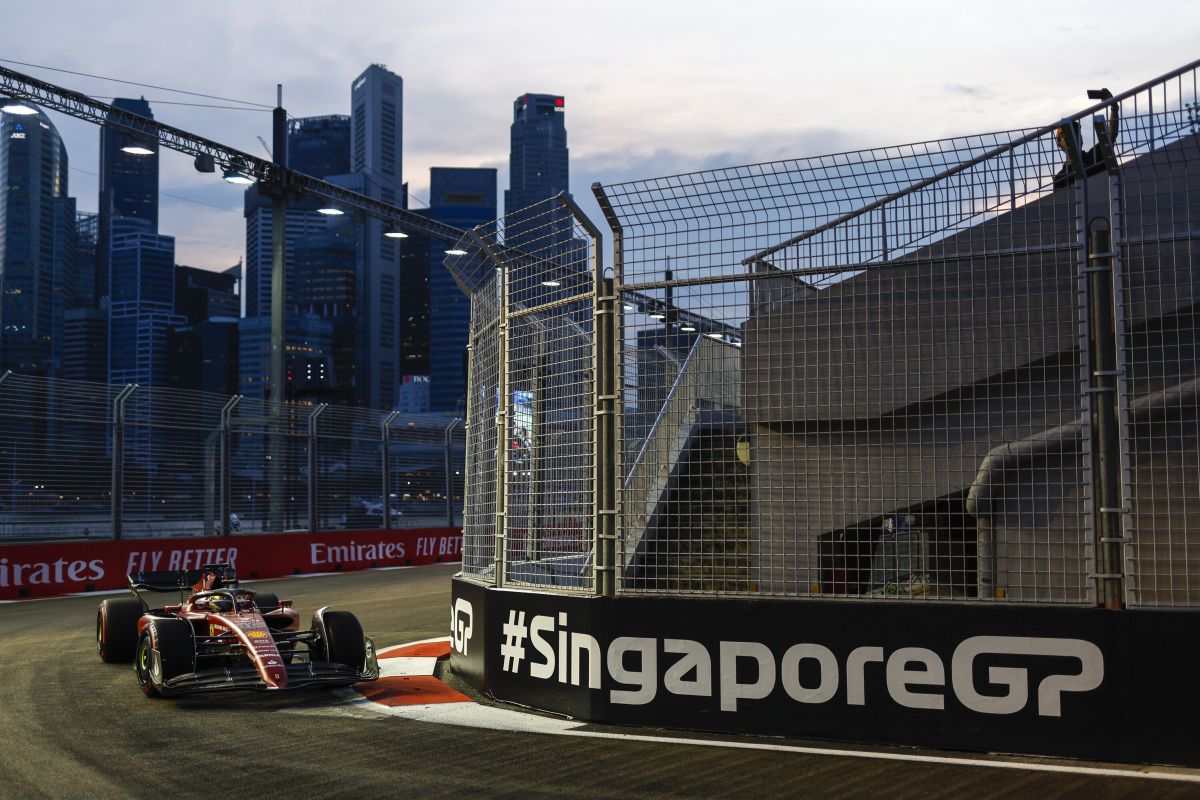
{"x":49,"y":569}
{"x":1075,"y":682}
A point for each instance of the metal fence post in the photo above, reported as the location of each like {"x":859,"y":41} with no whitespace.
{"x":117,"y":486}
{"x":224,"y":482}
{"x":314,"y":507}
{"x":503,"y":397}
{"x":385,"y":437}
{"x":502,"y":447}
{"x":448,"y":480}
{"x":1107,"y":455}
{"x":608,"y":291}
{"x":604,"y":410}
{"x":1100,"y":388}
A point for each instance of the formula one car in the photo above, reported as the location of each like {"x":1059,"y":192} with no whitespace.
{"x":220,"y":636}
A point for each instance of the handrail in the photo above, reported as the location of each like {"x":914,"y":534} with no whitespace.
{"x":990,"y":154}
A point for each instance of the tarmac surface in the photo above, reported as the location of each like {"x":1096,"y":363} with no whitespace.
{"x":76,"y":727}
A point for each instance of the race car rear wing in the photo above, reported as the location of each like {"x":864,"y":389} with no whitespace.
{"x":180,"y":580}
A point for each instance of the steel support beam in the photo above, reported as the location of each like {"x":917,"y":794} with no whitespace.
{"x":76,"y":104}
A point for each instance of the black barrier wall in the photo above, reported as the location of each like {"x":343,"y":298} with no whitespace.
{"x":1077,"y":682}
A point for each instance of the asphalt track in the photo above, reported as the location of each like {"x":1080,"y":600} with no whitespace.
{"x":75,"y":727}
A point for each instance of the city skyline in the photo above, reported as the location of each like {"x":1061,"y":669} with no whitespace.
{"x":630,"y":116}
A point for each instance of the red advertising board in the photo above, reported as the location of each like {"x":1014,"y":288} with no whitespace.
{"x":53,"y":568}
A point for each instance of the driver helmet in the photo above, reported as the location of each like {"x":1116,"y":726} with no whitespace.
{"x":220,"y":603}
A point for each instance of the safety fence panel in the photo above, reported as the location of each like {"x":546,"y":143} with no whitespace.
{"x":269,"y":467}
{"x":55,"y":458}
{"x":1155,"y":201}
{"x":348,"y":448}
{"x":84,"y":460}
{"x":169,"y":452}
{"x":857,"y":375}
{"x":417,"y":463}
{"x":483,"y":392}
{"x":550,"y":396}
{"x":531,"y":442}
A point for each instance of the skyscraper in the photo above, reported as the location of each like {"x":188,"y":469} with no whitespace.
{"x":142,"y":302}
{"x":85,"y":344}
{"x":302,"y":219}
{"x":308,"y":348}
{"x":463,"y":198}
{"x":319,"y":146}
{"x":128,"y":185}
{"x":537,"y":162}
{"x":202,"y":294}
{"x":87,"y":234}
{"x":377,"y":112}
{"x":141,"y":316}
{"x":322,"y":282}
{"x":37,"y":242}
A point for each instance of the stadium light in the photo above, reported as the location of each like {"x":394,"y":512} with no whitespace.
{"x":17,"y":108}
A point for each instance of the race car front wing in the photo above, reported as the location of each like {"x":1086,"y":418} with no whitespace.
{"x":299,"y":675}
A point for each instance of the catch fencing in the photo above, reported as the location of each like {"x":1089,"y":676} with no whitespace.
{"x":963,"y":369}
{"x":94,"y":461}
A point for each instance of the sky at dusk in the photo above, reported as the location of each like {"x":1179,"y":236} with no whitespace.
{"x":652,"y":88}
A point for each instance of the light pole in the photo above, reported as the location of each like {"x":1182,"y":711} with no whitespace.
{"x":278,"y":290}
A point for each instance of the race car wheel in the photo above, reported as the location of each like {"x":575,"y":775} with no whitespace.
{"x":342,"y":638}
{"x":266,"y":601}
{"x":116,"y":629}
{"x":166,"y":649}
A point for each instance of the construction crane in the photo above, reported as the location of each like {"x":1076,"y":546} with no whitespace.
{"x":266,"y":147}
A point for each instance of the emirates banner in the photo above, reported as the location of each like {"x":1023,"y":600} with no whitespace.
{"x":54,"y":568}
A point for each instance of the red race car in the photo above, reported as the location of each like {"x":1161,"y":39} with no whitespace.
{"x":220,"y":636}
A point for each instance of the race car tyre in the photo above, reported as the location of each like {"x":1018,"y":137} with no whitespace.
{"x":266,"y":601}
{"x":176,"y":654}
{"x":342,"y":638}
{"x":116,"y":629}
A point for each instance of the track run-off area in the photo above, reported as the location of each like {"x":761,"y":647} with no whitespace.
{"x":76,"y":727}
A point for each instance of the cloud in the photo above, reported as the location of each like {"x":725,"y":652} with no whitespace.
{"x":979,"y":92}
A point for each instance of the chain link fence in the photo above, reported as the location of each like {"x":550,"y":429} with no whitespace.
{"x":531,"y":277}
{"x":962,"y":369}
{"x":82,"y":460}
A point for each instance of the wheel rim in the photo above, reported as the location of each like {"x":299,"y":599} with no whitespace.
{"x":143,"y":661}
{"x":100,"y":631}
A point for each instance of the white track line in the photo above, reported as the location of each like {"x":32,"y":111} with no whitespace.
{"x":1107,"y":772}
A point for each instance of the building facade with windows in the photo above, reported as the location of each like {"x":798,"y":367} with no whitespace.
{"x":377,"y":113}
{"x":37,"y":244}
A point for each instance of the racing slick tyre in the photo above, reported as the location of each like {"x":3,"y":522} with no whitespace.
{"x":266,"y":601}
{"x":166,"y":649}
{"x":116,"y":629}
{"x":342,"y":638}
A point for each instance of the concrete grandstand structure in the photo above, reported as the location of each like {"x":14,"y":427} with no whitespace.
{"x":979,"y":330}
